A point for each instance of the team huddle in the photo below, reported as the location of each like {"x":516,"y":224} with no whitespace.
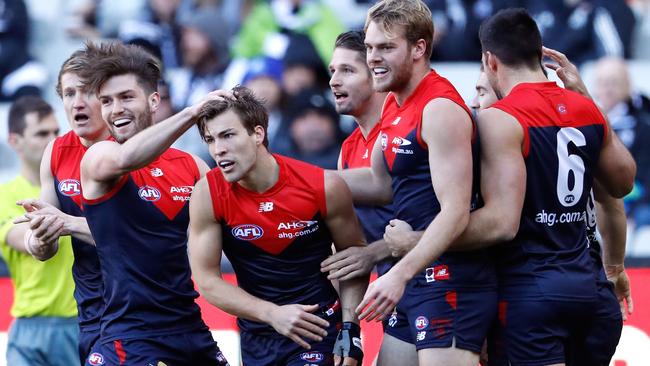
{"x":482,"y":226}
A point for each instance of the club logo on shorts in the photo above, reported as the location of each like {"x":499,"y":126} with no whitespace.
{"x":421,"y":322}
{"x":70,"y":187}
{"x":96,"y":359}
{"x":247,"y":232}
{"x":312,"y":356}
{"x":437,"y":273}
{"x":149,"y":193}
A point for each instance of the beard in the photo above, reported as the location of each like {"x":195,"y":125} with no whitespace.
{"x":140,"y":122}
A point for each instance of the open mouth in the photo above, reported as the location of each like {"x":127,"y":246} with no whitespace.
{"x":81,"y":117}
{"x":379,"y":71}
{"x":225,"y":164}
{"x":121,"y":122}
{"x":339,"y":96}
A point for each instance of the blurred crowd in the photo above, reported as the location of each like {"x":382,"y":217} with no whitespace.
{"x":281,"y":48}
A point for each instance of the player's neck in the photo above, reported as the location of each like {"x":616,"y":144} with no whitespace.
{"x":32,"y":174}
{"x":513,"y":77}
{"x":420,"y":70}
{"x":263,"y":175}
{"x":369,"y":117}
{"x":90,"y":141}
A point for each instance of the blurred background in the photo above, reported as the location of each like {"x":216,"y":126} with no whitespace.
{"x":281,"y":49}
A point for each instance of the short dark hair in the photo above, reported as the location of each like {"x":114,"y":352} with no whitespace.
{"x":24,"y":106}
{"x":352,"y":40}
{"x":250,"y":110}
{"x":110,"y":59}
{"x":512,"y":35}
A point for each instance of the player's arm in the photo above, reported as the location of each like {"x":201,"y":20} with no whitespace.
{"x":503,"y":182}
{"x":201,"y":165}
{"x":449,"y":142}
{"x":370,"y":186}
{"x":612,"y":224}
{"x":354,"y":261}
{"x":400,"y":237}
{"x":204,"y":248}
{"x":346,"y":233}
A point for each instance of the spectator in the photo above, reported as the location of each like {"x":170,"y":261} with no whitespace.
{"x":581,"y":29}
{"x":302,"y":67}
{"x":264,"y":79}
{"x":204,"y":46}
{"x":456,"y":26}
{"x":629,"y":116}
{"x":314,"y":130}
{"x":45,"y":331}
{"x":102,"y":19}
{"x":264,"y":30}
{"x":19,"y":73}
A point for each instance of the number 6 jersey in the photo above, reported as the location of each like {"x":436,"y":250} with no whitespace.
{"x":563,"y":135}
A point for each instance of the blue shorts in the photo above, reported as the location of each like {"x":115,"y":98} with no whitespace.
{"x":397,"y":325}
{"x":496,"y":339}
{"x":274,"y":349}
{"x":43,"y":341}
{"x":594,"y":345}
{"x":184,"y":349}
{"x":438,"y":316}
{"x":87,"y":339}
{"x":537,"y":331}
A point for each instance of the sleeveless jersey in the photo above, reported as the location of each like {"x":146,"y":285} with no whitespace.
{"x":140,"y":228}
{"x":563,"y":134}
{"x":356,"y":152}
{"x":67,"y":152}
{"x":277,"y":239}
{"x":407,"y":159}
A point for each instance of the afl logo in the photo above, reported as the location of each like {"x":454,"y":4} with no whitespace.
{"x":149,"y":193}
{"x":421,"y":322}
{"x":96,"y":359}
{"x":569,"y":198}
{"x":70,"y":187}
{"x":312,"y":356}
{"x":247,"y":232}
{"x":384,"y":141}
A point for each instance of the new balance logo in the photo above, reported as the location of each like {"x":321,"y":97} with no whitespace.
{"x":396,"y":121}
{"x":265,"y":207}
{"x":156,"y":172}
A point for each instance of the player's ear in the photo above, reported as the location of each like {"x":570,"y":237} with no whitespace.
{"x":491,"y":61}
{"x":419,"y":49}
{"x":15,"y":140}
{"x":154,"y":101}
{"x":259,"y":135}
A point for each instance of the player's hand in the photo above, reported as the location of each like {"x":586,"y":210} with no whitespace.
{"x":219,"y":94}
{"x":617,"y":275}
{"x":349,"y":263}
{"x":348,"y":350}
{"x":381,"y":297}
{"x":400,"y":237}
{"x":35,"y":208}
{"x":296,"y":322}
{"x":45,"y":228}
{"x":565,"y":70}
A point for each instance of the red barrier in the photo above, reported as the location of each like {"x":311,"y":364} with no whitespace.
{"x":635,"y":339}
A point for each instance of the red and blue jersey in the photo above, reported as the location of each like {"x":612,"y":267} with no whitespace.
{"x":356,"y":152}
{"x":277,"y":239}
{"x":407,"y":159}
{"x":140,"y":228}
{"x":67,"y":152}
{"x":563,"y":135}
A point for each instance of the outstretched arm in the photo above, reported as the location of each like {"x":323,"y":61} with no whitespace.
{"x":204,"y":246}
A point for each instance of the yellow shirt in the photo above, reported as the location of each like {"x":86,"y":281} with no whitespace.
{"x":41,"y":288}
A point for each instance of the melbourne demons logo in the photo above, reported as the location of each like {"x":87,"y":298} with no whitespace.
{"x":421,"y":322}
{"x":96,"y":359}
{"x":247,"y":232}
{"x":149,"y":193}
{"x":384,"y":141}
{"x":312,"y":356}
{"x":70,"y":187}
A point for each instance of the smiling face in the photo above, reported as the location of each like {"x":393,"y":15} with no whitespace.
{"x":126,"y":107}
{"x":231,"y":145}
{"x":351,"y":82}
{"x":82,"y":109}
{"x":388,"y":57}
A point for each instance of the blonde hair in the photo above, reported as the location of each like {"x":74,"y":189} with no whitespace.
{"x":413,"y":15}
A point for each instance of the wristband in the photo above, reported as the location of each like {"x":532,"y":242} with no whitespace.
{"x":348,"y":342}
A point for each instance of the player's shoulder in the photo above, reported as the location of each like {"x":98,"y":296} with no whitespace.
{"x":299,"y":173}
{"x":175,"y":154}
{"x":352,"y":139}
